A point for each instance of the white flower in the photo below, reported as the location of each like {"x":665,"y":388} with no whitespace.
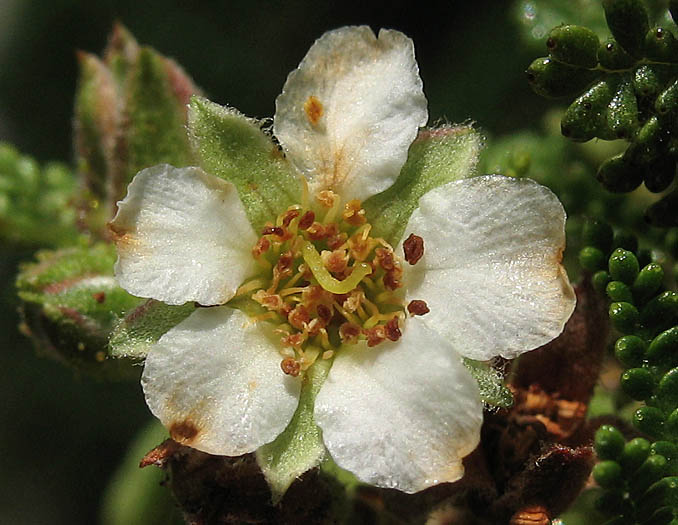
{"x":401,"y":414}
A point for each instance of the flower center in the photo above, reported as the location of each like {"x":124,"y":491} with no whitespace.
{"x":328,"y":282}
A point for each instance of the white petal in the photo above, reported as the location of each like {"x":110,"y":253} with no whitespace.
{"x":348,"y":114}
{"x":215,"y":382}
{"x":400,"y":415}
{"x":182,"y":235}
{"x":491,"y":272}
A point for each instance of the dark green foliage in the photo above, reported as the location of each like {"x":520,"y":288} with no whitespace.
{"x":632,"y":95}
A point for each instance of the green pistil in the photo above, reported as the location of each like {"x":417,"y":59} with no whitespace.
{"x":325,"y":279}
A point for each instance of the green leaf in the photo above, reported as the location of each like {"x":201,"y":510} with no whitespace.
{"x":300,"y":447}
{"x":137,"y":496}
{"x":436,"y":157}
{"x":71,"y":302}
{"x":493,"y":392}
{"x":141,"y":328}
{"x":233,"y":147}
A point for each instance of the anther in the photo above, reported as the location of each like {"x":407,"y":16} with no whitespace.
{"x":392,"y":329}
{"x":273,"y":230}
{"x":325,"y":313}
{"x":306,"y":220}
{"x":289,"y":216}
{"x":353,"y":213}
{"x":413,"y":248}
{"x":349,"y":332}
{"x":418,"y":307}
{"x":290,"y":366}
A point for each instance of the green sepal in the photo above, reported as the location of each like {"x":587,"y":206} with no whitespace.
{"x":622,"y":112}
{"x":436,"y":157}
{"x":71,"y":302}
{"x":661,"y":45}
{"x":36,"y":202}
{"x":586,"y":118}
{"x":552,"y":79}
{"x":613,"y":57}
{"x":300,"y":447}
{"x":121,"y":53}
{"x":493,"y":391}
{"x":135,"y":334}
{"x":574,"y":45}
{"x":155,"y":118}
{"x":628,"y":22}
{"x":234,"y":147}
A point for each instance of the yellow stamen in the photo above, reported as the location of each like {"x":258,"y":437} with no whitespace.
{"x":246,"y":288}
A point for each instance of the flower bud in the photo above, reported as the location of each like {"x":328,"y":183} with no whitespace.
{"x":585,"y":117}
{"x":630,"y":350}
{"x":649,"y":420}
{"x":648,"y":281}
{"x":617,"y":175}
{"x":623,"y":266}
{"x":608,"y":474}
{"x":667,"y":390}
{"x":624,"y":316}
{"x":609,"y":442}
{"x":634,"y":454}
{"x":661,"y":45}
{"x":637,"y":383}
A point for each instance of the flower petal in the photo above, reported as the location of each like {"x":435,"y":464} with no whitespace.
{"x":215,"y":382}
{"x":491,"y":272}
{"x":400,"y":415}
{"x":348,"y":114}
{"x":182,"y":235}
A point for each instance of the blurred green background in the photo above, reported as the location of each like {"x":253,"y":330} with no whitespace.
{"x":63,"y":435}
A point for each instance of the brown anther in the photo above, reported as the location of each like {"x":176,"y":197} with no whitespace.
{"x":375,"y":335}
{"x":262,"y":246}
{"x":335,"y":261}
{"x":298,"y":317}
{"x":384,"y":258}
{"x":290,"y":366}
{"x":418,"y":307}
{"x":335,"y":241}
{"x":327,"y":198}
{"x":289,"y":216}
{"x":324,"y":313}
{"x":285,"y":262}
{"x":392,"y":329}
{"x":316,"y":231}
{"x":294,"y":340}
{"x":354,"y":213}
{"x":99,"y":297}
{"x":273,"y":230}
{"x":349,"y":332}
{"x":306,"y":220}
{"x":413,"y":248}
{"x":392,"y":279}
{"x":269,"y":301}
